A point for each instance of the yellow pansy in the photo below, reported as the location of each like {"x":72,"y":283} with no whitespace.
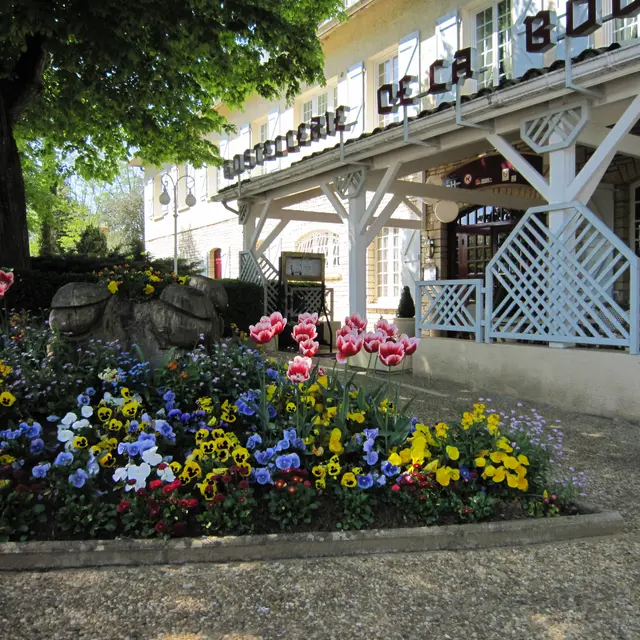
{"x":108,"y":461}
{"x":522,"y":459}
{"x":149,"y":289}
{"x":308,"y":401}
{"x":130,"y":408}
{"x":444,"y":475}
{"x":357,"y":471}
{"x":523,"y":484}
{"x":480,"y":462}
{"x":104,"y":413}
{"x":490,"y":471}
{"x":497,"y":456}
{"x":321,"y":483}
{"x":7,"y":459}
{"x":510,"y":462}
{"x":319,"y":471}
{"x":202,"y":435}
{"x":317,"y":451}
{"x":212,"y":421}
{"x":183,"y":279}
{"x":80,"y":442}
{"x":405,"y":456}
{"x":291,"y":407}
{"x":113,"y":287}
{"x":331,"y":412}
{"x":453,"y":452}
{"x":500,"y":474}
{"x":323,"y":381}
{"x":333,"y":468}
{"x":512,"y":480}
{"x":503,"y":444}
{"x":441,"y":429}
{"x":356,"y":416}
{"x":349,"y":480}
{"x":7,"y":399}
{"x":5,"y":369}
{"x":521,"y":471}
{"x":335,"y":446}
{"x":155,"y":279}
{"x":395,"y":459}
{"x":240,"y":455}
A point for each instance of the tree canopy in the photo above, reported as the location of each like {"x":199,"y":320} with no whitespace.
{"x":105,"y":79}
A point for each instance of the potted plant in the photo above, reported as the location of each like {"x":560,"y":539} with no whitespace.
{"x":405,"y":315}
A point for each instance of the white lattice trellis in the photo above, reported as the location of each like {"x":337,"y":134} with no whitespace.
{"x":556,"y":129}
{"x":450,"y":305}
{"x":558,"y":286}
{"x":261,"y":272}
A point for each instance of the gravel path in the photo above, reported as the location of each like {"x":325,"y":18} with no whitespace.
{"x":577,"y":590}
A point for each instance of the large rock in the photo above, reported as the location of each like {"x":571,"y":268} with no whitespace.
{"x":213,"y":290}
{"x":181,"y":317}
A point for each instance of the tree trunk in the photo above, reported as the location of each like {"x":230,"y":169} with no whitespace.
{"x":14,"y":237}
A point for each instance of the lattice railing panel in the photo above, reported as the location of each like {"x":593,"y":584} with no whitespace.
{"x":261,"y":272}
{"x":558,"y":286}
{"x":249,"y":268}
{"x":555,"y":129}
{"x":304,"y":299}
{"x":450,"y":305}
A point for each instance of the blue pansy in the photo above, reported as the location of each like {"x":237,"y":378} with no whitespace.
{"x":465,"y":474}
{"x":273,"y":374}
{"x":53,"y":418}
{"x":244,"y":408}
{"x":290,"y":434}
{"x":263,"y":457}
{"x":147,"y":436}
{"x":185,"y":417}
{"x":33,"y":431}
{"x":83,"y":400}
{"x":295,"y":461}
{"x":389,"y":469}
{"x":272,"y":412}
{"x":253,"y":441}
{"x":174,"y":413}
{"x":358,"y":438}
{"x":144,"y":445}
{"x":366,"y":481}
{"x":169,"y":396}
{"x":285,"y":462}
{"x":164,"y":429}
{"x":37,"y":446}
{"x":371,"y":457}
{"x":90,"y":391}
{"x":63,"y":459}
{"x":92,"y":465}
{"x":381,"y":481}
{"x":78,"y":478}
{"x":262,"y":476}
{"x":371,"y":434}
{"x":367,"y":446}
{"x":282,"y":445}
{"x":133,"y":426}
{"x":40,"y":470}
{"x":298,"y":443}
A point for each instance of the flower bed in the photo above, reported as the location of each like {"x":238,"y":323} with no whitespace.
{"x":93,"y":444}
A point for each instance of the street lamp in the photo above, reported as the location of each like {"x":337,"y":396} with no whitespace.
{"x":165,"y":199}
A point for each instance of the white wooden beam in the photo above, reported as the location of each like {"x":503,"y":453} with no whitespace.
{"x":402,"y":223}
{"x":335,"y":202}
{"x":304,"y":215}
{"x":468,"y":196}
{"x":380,"y":192}
{"x":380,"y":220}
{"x":586,"y":182}
{"x":414,"y":208}
{"x":593,"y":135}
{"x":260,"y":226}
{"x":521,"y":164}
{"x":273,"y":234}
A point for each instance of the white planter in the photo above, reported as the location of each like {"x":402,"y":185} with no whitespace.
{"x":406,"y":325}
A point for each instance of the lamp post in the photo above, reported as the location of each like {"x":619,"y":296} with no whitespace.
{"x":165,"y":199}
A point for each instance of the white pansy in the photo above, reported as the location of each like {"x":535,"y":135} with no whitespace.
{"x":65,"y":435}
{"x":166,"y":474}
{"x":139,"y":473}
{"x":152,"y":457}
{"x":120,"y":474}
{"x":70,"y":418}
{"x":86,"y":411}
{"x":81,"y":424}
{"x":107,"y":397}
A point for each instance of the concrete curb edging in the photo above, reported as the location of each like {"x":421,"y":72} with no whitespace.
{"x":21,"y":556}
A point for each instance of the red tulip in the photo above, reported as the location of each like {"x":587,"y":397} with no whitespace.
{"x":391,"y":353}
{"x":6,"y":280}
{"x":304,"y":331}
{"x":372,"y":341}
{"x":299,"y":369}
{"x":309,"y":348}
{"x":262,"y":332}
{"x":388,"y":329}
{"x":348,"y":345}
{"x":308,"y":317}
{"x":278,"y":323}
{"x":410,"y":344}
{"x":343,"y":331}
{"x":354,"y":321}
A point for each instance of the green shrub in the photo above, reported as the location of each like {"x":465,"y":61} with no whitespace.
{"x":245,"y":304}
{"x":406,"y":307}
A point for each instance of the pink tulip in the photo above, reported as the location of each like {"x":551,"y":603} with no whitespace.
{"x":6,"y":280}
{"x":354,"y":321}
{"x":277,"y":322}
{"x":262,"y":332}
{"x":308,"y":317}
{"x":348,"y":345}
{"x":304,"y":331}
{"x":372,"y":341}
{"x":309,"y":348}
{"x":391,"y":353}
{"x":343,"y":331}
{"x":410,"y":344}
{"x":299,"y":369}
{"x":388,"y":329}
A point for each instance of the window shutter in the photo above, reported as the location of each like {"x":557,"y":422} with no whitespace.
{"x":286,"y":124}
{"x":149,"y":201}
{"x":522,"y":59}
{"x":409,"y":64}
{"x":355,"y":99}
{"x":447,"y":43}
{"x":272,"y":131}
{"x":224,"y":154}
{"x":201,"y":183}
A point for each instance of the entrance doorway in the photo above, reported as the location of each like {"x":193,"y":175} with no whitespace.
{"x":476,"y":236}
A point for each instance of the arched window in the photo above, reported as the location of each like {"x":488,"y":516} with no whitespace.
{"x":322,"y":242}
{"x":215,"y":264}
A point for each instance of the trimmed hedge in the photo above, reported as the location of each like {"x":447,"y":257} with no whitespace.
{"x":245,"y":303}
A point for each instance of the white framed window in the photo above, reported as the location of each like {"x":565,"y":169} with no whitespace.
{"x":335,"y":97}
{"x":634,"y":217}
{"x":386,"y":71}
{"x":307,"y":111}
{"x":323,"y":103}
{"x":322,"y":242}
{"x":625,"y":29}
{"x":493,"y":42}
{"x":202,"y":187}
{"x":388,"y":264}
{"x":315,"y":106}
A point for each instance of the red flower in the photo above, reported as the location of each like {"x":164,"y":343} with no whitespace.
{"x":262,"y":332}
{"x":307,"y":483}
{"x":155,"y":484}
{"x":154,"y":512}
{"x":142,"y":492}
{"x":410,"y":344}
{"x":299,"y":369}
{"x":278,"y":323}
{"x":242,"y":499}
{"x":226,"y":478}
{"x":123,"y":506}
{"x":162,"y":466}
{"x":348,"y":345}
{"x":280,"y":483}
{"x":6,"y":281}
{"x":183,"y":503}
{"x":308,"y":317}
{"x":179,"y":529}
{"x":243,"y":484}
{"x":391,"y":353}
{"x":304,"y":331}
{"x":389,"y":330}
{"x":161,"y":526}
{"x":219,"y":497}
{"x":395,"y":488}
{"x":192,"y":503}
{"x":309,"y":348}
{"x":372,"y":341}
{"x":291,"y":490}
{"x":354,"y":321}
{"x":168,"y":489}
{"x":343,"y":331}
